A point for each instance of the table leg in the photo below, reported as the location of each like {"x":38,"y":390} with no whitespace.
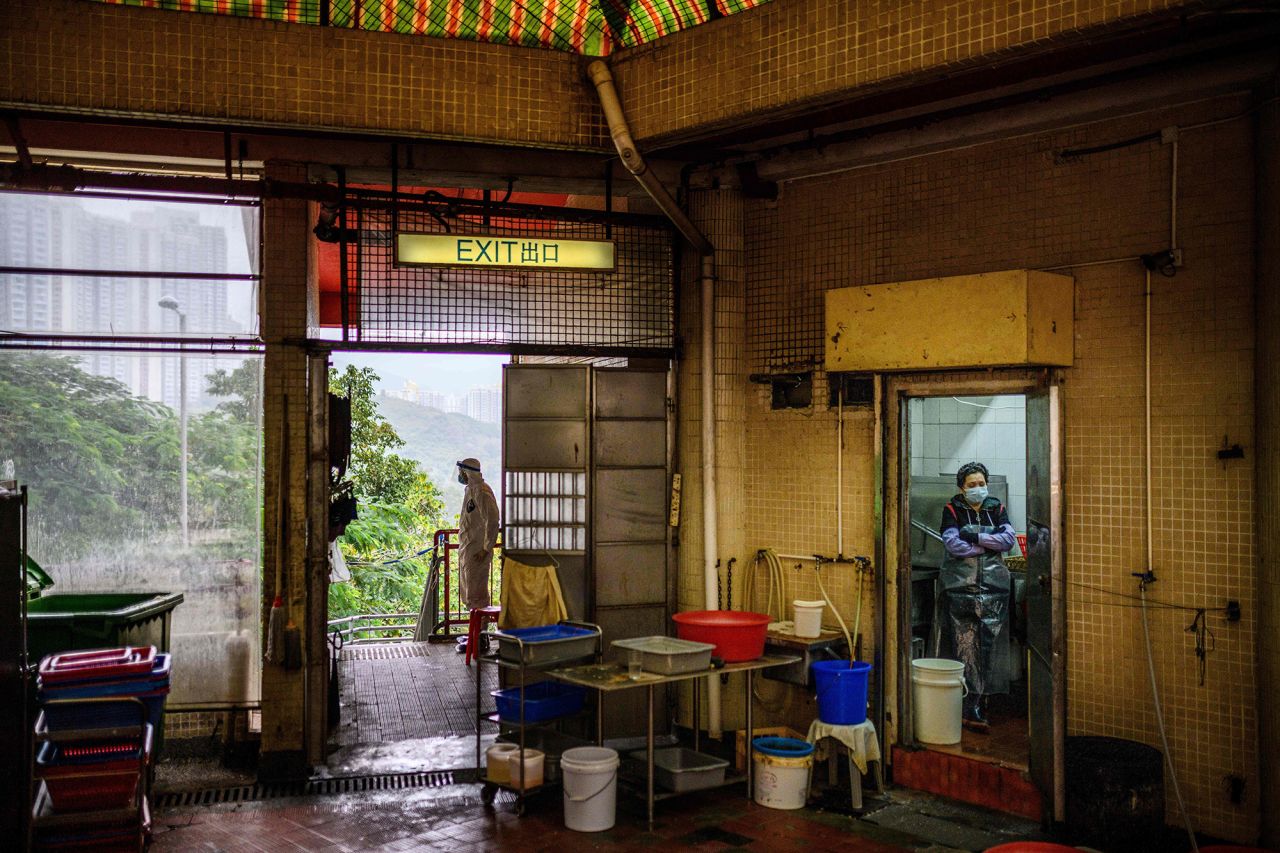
{"x":648,"y":749}
{"x":697,"y":713}
{"x":599,"y":718}
{"x":750,"y":730}
{"x":855,"y":786}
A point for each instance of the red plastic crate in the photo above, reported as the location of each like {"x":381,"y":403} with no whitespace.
{"x":97,"y":664}
{"x":93,"y":792}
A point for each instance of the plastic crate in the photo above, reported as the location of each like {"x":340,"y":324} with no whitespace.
{"x":103,"y":835}
{"x":667,"y":655}
{"x":679,"y":769}
{"x":93,"y":775}
{"x":155,"y":678}
{"x":544,"y":700}
{"x":546,"y":644}
{"x":97,"y":665}
{"x":55,"y":717}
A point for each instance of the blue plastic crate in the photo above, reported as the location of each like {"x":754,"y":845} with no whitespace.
{"x":543,"y":701}
{"x":104,"y":715}
{"x":546,"y":633}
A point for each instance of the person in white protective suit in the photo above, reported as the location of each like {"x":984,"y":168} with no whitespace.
{"x":477,"y":535}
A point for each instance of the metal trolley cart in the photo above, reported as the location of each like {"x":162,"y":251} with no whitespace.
{"x":525,"y":706}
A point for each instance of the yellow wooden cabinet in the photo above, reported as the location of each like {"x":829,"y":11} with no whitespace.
{"x":1013,"y":317}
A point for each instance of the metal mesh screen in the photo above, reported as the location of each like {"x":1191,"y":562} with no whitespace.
{"x":545,"y":511}
{"x":533,"y":311}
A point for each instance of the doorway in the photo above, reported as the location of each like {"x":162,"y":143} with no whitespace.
{"x":394,"y":607}
{"x":944,"y":434}
{"x":1010,"y":422}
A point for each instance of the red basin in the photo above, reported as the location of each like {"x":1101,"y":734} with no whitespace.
{"x":737,"y":635}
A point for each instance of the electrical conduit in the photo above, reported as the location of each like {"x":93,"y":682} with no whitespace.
{"x":602,"y":79}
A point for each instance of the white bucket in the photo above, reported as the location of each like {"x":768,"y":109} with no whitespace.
{"x":937,"y":694}
{"x":781,"y":783}
{"x":532,"y":768}
{"x":590,"y":778}
{"x":808,"y":618}
{"x":495,"y":760}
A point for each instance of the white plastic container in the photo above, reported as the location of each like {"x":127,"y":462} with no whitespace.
{"x":781,"y":781}
{"x":937,"y":696}
{"x":495,"y":760}
{"x":808,"y":618}
{"x":532,"y":769}
{"x":590,"y":776}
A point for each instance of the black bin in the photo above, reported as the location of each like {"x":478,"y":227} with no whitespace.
{"x":1115,"y":793}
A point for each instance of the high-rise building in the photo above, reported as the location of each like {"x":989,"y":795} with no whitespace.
{"x":44,"y":232}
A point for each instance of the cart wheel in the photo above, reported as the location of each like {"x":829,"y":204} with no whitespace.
{"x":487,"y":793}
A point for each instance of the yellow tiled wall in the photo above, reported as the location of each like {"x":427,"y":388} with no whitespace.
{"x":81,"y":57}
{"x":1015,"y":204}
{"x":753,"y":65}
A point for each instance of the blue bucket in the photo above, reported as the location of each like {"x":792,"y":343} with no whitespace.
{"x":842,"y":691}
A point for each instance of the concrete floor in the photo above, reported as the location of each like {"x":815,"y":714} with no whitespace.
{"x":453,"y":818}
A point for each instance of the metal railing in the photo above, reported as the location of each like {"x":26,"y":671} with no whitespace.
{"x":443,"y":609}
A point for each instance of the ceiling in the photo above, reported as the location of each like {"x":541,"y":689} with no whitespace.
{"x":588,"y":27}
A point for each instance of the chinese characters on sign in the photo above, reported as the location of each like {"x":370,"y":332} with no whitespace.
{"x":468,"y":250}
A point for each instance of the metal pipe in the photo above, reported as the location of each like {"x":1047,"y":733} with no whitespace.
{"x":1146,"y":395}
{"x":840,"y":470}
{"x":84,"y":273}
{"x":635,"y":164}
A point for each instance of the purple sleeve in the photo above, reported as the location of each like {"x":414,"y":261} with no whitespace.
{"x":1002,"y":539}
{"x":957,"y":547}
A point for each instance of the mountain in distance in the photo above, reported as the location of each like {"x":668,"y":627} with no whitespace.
{"x":437,"y":440}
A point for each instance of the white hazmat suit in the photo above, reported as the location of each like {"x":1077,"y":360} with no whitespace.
{"x":477,"y":535}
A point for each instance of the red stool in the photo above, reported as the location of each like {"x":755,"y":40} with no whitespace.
{"x":480,"y":616}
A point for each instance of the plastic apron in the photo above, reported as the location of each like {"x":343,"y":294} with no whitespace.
{"x":974,"y":608}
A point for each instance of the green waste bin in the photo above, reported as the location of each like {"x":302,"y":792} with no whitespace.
{"x":64,"y":622}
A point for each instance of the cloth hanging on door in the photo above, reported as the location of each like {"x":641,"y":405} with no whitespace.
{"x":530,"y":596}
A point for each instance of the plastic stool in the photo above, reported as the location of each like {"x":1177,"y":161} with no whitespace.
{"x":480,"y":616}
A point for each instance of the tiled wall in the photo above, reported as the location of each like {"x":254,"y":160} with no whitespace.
{"x":818,"y":51}
{"x":947,"y":432}
{"x":75,"y":56}
{"x":1009,"y":205}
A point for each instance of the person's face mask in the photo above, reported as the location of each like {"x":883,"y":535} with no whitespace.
{"x":975,"y":494}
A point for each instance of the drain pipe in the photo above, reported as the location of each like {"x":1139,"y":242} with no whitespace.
{"x":601,"y":77}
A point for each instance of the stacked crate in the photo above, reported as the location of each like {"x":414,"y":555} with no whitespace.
{"x":99,"y":712}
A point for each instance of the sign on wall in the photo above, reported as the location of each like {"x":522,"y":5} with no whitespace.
{"x":515,"y":252}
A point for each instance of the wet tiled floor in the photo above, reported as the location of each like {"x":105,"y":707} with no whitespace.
{"x":453,"y":818}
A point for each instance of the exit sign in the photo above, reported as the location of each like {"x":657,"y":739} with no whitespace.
{"x":470,"y":250}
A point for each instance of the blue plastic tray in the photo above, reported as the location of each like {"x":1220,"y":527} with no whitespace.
{"x":546,"y":644}
{"x":543,"y":701}
{"x":158,"y":679}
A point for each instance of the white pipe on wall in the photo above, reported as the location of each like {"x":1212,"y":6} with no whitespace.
{"x":632,"y":159}
{"x":839,"y":471}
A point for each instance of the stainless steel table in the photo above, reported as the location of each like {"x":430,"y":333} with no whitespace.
{"x":609,"y":677}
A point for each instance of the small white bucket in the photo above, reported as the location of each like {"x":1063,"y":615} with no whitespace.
{"x":937,"y":696}
{"x":808,"y":618}
{"x":532,"y":768}
{"x":590,"y":777}
{"x":495,"y":760}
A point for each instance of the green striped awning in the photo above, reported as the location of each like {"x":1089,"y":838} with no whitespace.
{"x":591,"y":27}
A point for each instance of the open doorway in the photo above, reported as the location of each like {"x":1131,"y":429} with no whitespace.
{"x":986,"y":630}
{"x":395,"y":610}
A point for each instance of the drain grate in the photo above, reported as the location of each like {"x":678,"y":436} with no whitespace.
{"x":386,"y":651}
{"x":314,"y":788}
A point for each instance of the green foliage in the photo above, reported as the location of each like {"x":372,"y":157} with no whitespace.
{"x":400,"y":509}
{"x":103,"y":465}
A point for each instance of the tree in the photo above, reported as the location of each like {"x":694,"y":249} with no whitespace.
{"x":100,"y":461}
{"x":400,"y":509}
{"x":243,"y":387}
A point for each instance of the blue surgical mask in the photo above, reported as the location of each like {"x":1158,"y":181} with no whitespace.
{"x":976,"y":495}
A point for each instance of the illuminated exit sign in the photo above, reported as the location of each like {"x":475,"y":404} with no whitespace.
{"x":469,"y":250}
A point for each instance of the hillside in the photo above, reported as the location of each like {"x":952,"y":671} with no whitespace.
{"x":438,"y":440}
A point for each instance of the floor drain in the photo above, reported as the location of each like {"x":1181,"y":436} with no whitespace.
{"x":313,"y":788}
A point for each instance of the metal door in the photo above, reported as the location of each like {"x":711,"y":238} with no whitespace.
{"x":1044,"y":600}
{"x":545,"y":458}
{"x":629,"y":519}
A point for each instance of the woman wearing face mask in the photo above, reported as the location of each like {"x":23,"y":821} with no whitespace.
{"x":974,"y":602}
